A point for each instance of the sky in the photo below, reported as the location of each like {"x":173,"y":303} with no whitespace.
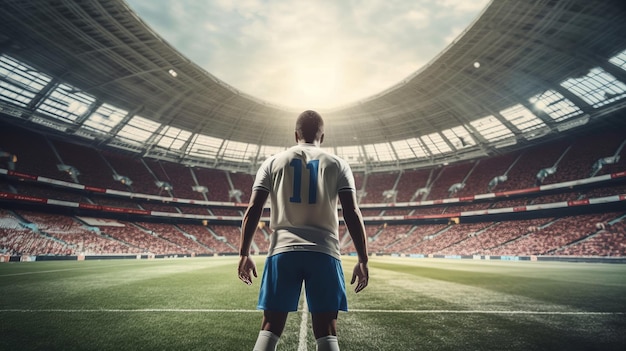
{"x":318,"y":54}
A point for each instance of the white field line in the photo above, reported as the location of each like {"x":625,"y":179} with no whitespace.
{"x":60,"y":270}
{"x":86,"y":268}
{"x":564,"y":313}
{"x":130,"y":263}
{"x":302,"y":346}
{"x":139,"y":310}
{"x":305,"y":310}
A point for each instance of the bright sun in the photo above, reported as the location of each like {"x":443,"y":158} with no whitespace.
{"x":315,"y":84}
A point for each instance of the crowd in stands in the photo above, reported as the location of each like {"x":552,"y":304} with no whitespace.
{"x":176,"y":236}
{"x":387,"y":235}
{"x":584,"y":235}
{"x":448,"y":237}
{"x":244,"y":185}
{"x":146,"y":240}
{"x":493,"y":236}
{"x":377,"y":186}
{"x":546,"y":239}
{"x":486,"y":170}
{"x":409,"y":183}
{"x":32,"y":232}
{"x":609,"y":240}
{"x":446,"y":178}
{"x":216,"y":182}
{"x":206,"y":238}
{"x":17,"y":239}
{"x":47,"y":192}
{"x":114,"y":202}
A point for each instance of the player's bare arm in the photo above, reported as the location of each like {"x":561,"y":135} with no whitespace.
{"x":247,"y":267}
{"x":356,"y":228}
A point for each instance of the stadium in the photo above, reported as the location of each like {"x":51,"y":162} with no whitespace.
{"x":492,"y":183}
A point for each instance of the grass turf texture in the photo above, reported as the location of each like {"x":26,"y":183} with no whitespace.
{"x":411,"y":304}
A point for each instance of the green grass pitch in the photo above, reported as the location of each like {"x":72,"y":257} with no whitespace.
{"x":411,"y":304}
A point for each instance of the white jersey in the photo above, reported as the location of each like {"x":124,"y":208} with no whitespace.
{"x":304,"y":182}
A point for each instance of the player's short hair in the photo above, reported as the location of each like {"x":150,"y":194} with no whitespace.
{"x":310,"y":126}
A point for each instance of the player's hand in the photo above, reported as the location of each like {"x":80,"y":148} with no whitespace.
{"x":246,"y":267}
{"x":361,"y":275}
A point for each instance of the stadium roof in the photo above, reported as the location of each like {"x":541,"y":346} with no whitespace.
{"x":522,"y":71}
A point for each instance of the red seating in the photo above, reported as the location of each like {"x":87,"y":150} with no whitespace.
{"x":34,"y":154}
{"x":174,"y":235}
{"x":66,"y":235}
{"x":607,"y":240}
{"x":376,"y":185}
{"x":93,"y":169}
{"x":243,"y":182}
{"x":447,"y":177}
{"x":409,"y":183}
{"x":143,"y":181}
{"x":554,"y":235}
{"x":216,"y":182}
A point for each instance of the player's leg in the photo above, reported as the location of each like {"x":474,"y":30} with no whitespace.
{"x":278,"y":295}
{"x":274,"y":322}
{"x":326,"y":295}
{"x":327,"y":343}
{"x":266,"y":341}
{"x":325,"y":330}
{"x":271,"y":329}
{"x":324,"y":324}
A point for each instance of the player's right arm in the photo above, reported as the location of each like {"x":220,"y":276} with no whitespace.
{"x":251,"y":218}
{"x":354,"y":221}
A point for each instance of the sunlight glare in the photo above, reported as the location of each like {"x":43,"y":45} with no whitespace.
{"x":315,"y":83}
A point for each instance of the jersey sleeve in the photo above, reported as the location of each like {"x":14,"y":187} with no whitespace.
{"x":346,"y":178}
{"x":263,"y":179}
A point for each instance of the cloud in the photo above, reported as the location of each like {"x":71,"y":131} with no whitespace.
{"x":309,"y":53}
{"x":473,"y":6}
{"x":453,"y":33}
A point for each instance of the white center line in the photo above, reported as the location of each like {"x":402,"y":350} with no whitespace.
{"x":305,"y":310}
{"x":302,"y":346}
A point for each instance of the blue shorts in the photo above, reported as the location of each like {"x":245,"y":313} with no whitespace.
{"x":323,"y":279}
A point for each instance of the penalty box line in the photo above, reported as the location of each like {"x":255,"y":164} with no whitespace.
{"x":201,"y":310}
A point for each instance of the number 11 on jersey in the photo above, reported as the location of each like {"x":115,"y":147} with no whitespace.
{"x":313,"y":167}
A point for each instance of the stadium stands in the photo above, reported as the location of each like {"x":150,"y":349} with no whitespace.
{"x":217,"y":183}
{"x":92,"y":167}
{"x":142,"y":181}
{"x":33,"y":231}
{"x":608,"y":240}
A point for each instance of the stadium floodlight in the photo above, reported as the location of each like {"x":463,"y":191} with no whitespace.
{"x":421,"y":191}
{"x":200,"y":188}
{"x":609,"y":160}
{"x":390,"y":195}
{"x":497,"y":180}
{"x":11,"y":159}
{"x":163,"y":185}
{"x":235,"y":193}
{"x":543,"y":173}
{"x":454,"y":188}
{"x":601,"y":162}
{"x":122,"y":179}
{"x":70,"y":170}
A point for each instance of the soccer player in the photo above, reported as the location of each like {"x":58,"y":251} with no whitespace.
{"x":303,"y":183}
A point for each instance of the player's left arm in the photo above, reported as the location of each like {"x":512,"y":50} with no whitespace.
{"x":354,"y":222}
{"x":251,"y":218}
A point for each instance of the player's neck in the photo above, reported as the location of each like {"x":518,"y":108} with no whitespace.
{"x":314,"y":143}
